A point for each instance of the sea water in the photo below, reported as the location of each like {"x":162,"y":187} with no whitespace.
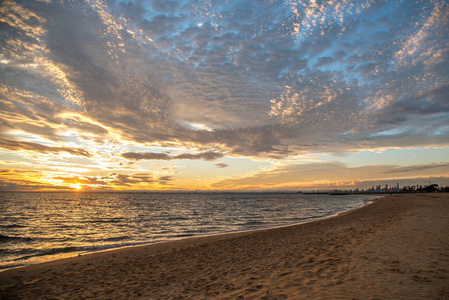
{"x":39,"y":227}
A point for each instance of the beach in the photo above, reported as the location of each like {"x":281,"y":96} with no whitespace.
{"x":395,"y":248}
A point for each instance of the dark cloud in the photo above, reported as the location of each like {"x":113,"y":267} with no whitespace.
{"x":430,"y":102}
{"x":27,"y":146}
{"x":137,"y":179}
{"x":26,"y":185}
{"x":209,"y":155}
{"x":325,"y":60}
{"x":221,"y":165}
{"x":122,"y":179}
{"x":419,"y":168}
{"x":147,"y":155}
{"x":165,"y":179}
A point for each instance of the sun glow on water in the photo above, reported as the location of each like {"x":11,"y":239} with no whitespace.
{"x":57,"y":225}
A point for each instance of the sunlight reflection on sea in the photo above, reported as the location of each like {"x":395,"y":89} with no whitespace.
{"x":37,"y":227}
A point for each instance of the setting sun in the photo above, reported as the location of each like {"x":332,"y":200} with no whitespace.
{"x":76,"y":186}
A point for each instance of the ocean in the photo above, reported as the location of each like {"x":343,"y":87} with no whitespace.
{"x":40,"y":227}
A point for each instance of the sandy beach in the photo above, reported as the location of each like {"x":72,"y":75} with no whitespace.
{"x":395,"y":248}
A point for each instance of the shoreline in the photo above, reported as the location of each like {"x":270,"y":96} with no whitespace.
{"x":105,"y":248}
{"x":382,"y":249}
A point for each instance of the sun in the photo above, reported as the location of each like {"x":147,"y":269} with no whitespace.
{"x":76,"y":186}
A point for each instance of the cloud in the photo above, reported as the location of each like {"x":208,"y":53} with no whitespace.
{"x":35,"y":147}
{"x":84,"y":126}
{"x":418,"y":169}
{"x":88,"y":180}
{"x":142,"y":180}
{"x":26,"y":185}
{"x":24,"y":180}
{"x":431,"y":102}
{"x":165,"y":179}
{"x":318,"y":109}
{"x":122,"y":179}
{"x":209,"y":155}
{"x":252,"y":141}
{"x":325,"y":60}
{"x":221,"y":165}
{"x":268,"y":79}
{"x":147,"y":156}
{"x":431,"y":33}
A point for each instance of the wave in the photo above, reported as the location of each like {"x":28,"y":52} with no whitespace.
{"x":181,"y":235}
{"x":12,"y":226}
{"x":6,"y":238}
{"x":106,"y":220}
{"x":251,"y":223}
{"x":118,"y":238}
{"x":10,"y":266}
{"x":95,"y":248}
{"x":177,"y":218}
{"x":46,"y":252}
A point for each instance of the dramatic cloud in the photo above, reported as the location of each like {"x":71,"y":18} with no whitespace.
{"x":122,"y":83}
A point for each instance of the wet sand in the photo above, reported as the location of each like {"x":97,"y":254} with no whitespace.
{"x":395,"y":248}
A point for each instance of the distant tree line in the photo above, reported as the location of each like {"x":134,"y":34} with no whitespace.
{"x":433,"y":188}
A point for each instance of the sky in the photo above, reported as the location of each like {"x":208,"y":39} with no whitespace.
{"x":113,"y":95}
